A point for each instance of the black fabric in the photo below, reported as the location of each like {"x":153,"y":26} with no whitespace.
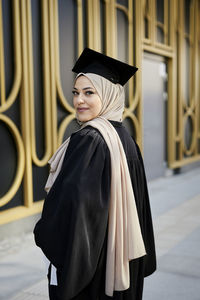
{"x":139,"y":183}
{"x":112,"y":69}
{"x":72,"y":231}
{"x":72,"y":228}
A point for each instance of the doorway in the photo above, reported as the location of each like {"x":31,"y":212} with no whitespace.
{"x":154,"y":88}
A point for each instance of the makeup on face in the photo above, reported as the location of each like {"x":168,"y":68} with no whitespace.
{"x":87,"y":102}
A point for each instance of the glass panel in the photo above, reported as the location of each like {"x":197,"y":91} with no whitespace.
{"x":146,"y":21}
{"x":146,"y":28}
{"x":67,"y":14}
{"x":39,"y":173}
{"x":177,"y":151}
{"x":38,"y":77}
{"x":8,"y":150}
{"x":123,"y":2}
{"x":188,"y":132}
{"x":177,"y":89}
{"x":187,"y":71}
{"x":8,"y":159}
{"x":160,"y":35}
{"x":8,"y":44}
{"x":122,"y":36}
{"x":160,"y":10}
{"x":187,"y":16}
{"x":169,"y":24}
{"x":103,"y":25}
{"x":146,"y":7}
{"x":122,"y":42}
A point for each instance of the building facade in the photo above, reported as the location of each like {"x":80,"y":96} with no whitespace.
{"x":39,"y":43}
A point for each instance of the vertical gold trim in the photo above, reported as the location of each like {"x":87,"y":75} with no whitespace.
{"x":90,"y":29}
{"x":108,"y":25}
{"x":52,"y":73}
{"x":80,"y":26}
{"x":47,"y":130}
{"x":2,"y":67}
{"x":166,"y":19}
{"x":181,"y":69}
{"x":172,"y":25}
{"x":196,"y":40}
{"x":191,"y":55}
{"x":111,"y":28}
{"x":138,"y":50}
{"x":24,"y":95}
{"x":131,"y":49}
{"x":93,"y":22}
{"x":198,"y":71}
{"x":46,"y":76}
{"x":113,"y":31}
{"x":172,"y":89}
{"x":153,"y":26}
{"x":96,"y":24}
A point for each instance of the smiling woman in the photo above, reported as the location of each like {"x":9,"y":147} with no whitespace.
{"x":86,"y":100}
{"x":96,"y":228}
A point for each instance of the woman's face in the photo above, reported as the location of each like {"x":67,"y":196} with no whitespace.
{"x":87,"y":102}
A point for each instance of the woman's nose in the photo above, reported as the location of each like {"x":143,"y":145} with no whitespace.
{"x":80,"y":99}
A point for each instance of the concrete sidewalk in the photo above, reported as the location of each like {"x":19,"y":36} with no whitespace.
{"x":175,"y":203}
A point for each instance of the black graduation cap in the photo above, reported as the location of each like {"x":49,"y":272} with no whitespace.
{"x":112,"y":69}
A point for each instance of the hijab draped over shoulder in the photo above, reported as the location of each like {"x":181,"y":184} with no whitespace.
{"x":125,"y":240}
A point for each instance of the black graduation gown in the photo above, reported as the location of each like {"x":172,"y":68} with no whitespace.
{"x":72,"y":231}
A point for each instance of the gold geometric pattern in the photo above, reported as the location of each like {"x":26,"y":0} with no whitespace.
{"x":180,"y":47}
{"x":122,"y":29}
{"x":7,"y":102}
{"x":184,"y":131}
{"x":157,"y":33}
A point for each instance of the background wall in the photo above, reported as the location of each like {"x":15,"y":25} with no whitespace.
{"x":40,"y":42}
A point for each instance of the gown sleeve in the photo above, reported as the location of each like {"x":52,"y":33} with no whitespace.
{"x":73,"y":224}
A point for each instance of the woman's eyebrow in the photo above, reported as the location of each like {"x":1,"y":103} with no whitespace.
{"x":89,"y":87}
{"x":86,"y":88}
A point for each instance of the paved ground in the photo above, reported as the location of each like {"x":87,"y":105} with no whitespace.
{"x":175,"y":205}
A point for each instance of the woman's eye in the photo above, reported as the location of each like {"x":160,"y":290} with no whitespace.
{"x":74,"y":93}
{"x":89,"y":93}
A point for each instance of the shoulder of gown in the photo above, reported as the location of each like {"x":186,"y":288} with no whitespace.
{"x":72,"y":229}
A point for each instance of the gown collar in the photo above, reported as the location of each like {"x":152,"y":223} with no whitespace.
{"x":115,"y":123}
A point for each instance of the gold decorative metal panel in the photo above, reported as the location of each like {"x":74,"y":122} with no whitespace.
{"x":48,"y":36}
{"x":184,"y":104}
{"x":39,"y":43}
{"x":158,"y":17}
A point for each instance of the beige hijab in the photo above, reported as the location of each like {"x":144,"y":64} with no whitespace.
{"x":125,"y":240}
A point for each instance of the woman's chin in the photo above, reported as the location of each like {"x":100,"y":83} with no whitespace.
{"x":84,"y":118}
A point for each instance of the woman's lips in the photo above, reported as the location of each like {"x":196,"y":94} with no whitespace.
{"x":82,"y":109}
